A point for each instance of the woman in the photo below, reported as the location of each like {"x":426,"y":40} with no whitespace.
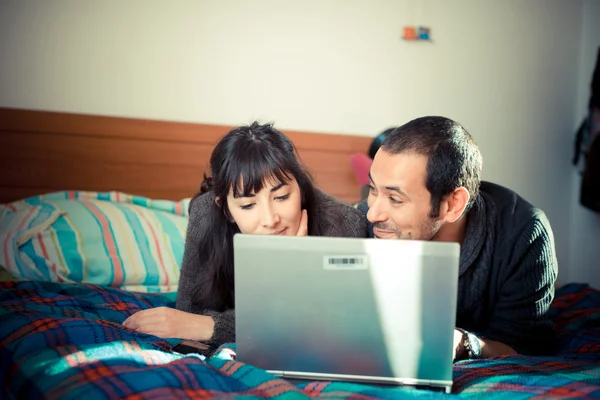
{"x":258,"y":187}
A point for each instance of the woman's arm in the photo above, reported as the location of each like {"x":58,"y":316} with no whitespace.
{"x":193,"y":286}
{"x":223,"y":327}
{"x":167,"y":322}
{"x":195,"y":282}
{"x":195,"y":316}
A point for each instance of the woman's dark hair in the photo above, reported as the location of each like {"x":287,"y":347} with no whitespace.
{"x":243,"y":160}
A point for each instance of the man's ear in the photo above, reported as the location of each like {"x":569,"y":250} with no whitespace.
{"x":456,"y":202}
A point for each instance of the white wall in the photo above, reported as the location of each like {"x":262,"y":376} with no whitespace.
{"x":508,"y":70}
{"x":584,"y":260}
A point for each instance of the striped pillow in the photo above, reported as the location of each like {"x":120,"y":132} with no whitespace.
{"x":112,"y":239}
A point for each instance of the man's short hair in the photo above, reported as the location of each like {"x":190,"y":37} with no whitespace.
{"x":453,"y":158}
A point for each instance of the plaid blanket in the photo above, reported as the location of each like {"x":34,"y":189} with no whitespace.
{"x":66,"y":341}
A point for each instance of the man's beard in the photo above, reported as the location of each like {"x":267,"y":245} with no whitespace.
{"x":428,"y":230}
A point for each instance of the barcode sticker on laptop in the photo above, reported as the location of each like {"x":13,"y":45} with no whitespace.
{"x":345,"y":262}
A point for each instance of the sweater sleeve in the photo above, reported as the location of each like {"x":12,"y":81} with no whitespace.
{"x":520,"y":318}
{"x":193,"y":282}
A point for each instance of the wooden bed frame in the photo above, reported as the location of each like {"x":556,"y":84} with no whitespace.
{"x":43,"y":151}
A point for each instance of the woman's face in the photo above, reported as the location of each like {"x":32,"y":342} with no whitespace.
{"x":274,"y":210}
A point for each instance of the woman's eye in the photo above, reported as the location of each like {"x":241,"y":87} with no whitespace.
{"x":247,"y":206}
{"x":284,"y":197}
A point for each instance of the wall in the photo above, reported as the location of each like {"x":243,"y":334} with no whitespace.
{"x":507,"y":70}
{"x":585,"y":225}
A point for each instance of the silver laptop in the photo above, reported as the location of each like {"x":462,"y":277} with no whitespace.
{"x":345,"y":309}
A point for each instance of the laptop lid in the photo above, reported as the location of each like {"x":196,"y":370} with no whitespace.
{"x":323,"y":306}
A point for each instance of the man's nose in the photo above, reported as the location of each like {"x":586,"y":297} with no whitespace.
{"x":376,"y":212}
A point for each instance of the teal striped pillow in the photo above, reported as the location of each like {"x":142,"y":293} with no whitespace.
{"x":112,"y":239}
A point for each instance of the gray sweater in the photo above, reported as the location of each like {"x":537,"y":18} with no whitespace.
{"x":347,"y":221}
{"x":507,"y":271}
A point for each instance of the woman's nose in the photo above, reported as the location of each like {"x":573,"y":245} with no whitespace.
{"x":270,"y":217}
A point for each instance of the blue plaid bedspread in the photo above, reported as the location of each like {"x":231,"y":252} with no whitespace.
{"x":66,"y":341}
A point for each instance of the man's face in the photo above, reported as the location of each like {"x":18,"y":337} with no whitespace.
{"x":399,"y":202}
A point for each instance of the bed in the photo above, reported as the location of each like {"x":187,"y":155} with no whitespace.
{"x":92,"y":226}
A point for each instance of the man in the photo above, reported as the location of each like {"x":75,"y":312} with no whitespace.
{"x":425,"y":185}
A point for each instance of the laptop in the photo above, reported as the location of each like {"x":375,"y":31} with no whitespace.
{"x":368,"y":311}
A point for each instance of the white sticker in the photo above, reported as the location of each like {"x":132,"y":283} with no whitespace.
{"x":345,"y":262}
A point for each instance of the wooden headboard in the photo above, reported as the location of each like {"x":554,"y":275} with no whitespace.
{"x":44,"y":151}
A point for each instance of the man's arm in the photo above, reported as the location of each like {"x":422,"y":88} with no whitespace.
{"x":491,"y":348}
{"x":520,"y":322}
{"x":468,"y":345}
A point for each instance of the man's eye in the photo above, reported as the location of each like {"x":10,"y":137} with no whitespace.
{"x":395,"y":201}
{"x":371,"y":188}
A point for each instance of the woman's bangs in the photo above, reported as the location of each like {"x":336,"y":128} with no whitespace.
{"x":250,"y":177}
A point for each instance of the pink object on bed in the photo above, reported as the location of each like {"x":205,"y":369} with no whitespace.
{"x":361,"y":164}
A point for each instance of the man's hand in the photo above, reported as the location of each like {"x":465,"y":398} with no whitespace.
{"x":167,"y":322}
{"x":459,"y":349}
{"x":489,"y":348}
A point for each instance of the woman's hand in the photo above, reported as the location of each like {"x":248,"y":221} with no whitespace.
{"x":168,"y":322}
{"x":303,"y":227}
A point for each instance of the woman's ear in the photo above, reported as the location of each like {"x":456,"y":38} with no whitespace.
{"x":225,"y":211}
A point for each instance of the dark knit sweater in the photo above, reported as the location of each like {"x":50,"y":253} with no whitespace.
{"x":507,"y":271}
{"x":346,"y":221}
